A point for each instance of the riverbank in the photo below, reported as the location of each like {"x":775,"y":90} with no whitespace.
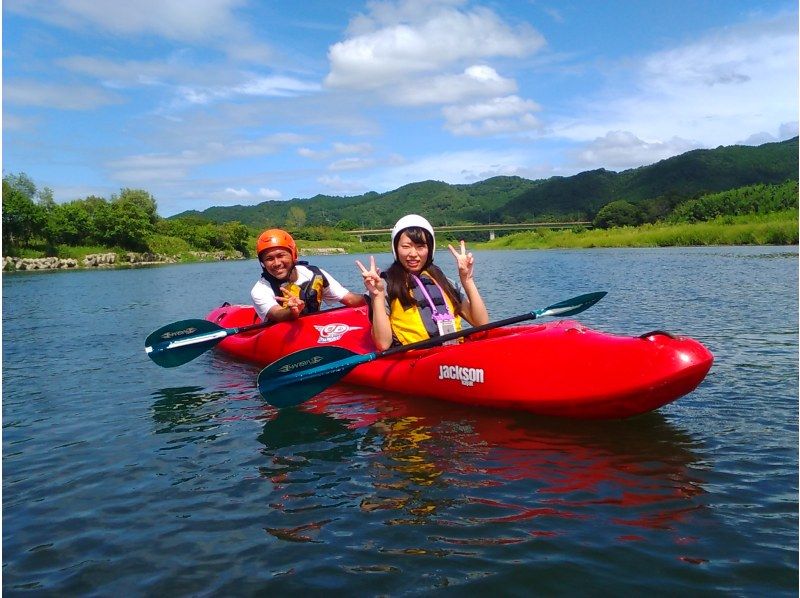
{"x":131,"y":259}
{"x":127,"y":259}
{"x":777,"y":228}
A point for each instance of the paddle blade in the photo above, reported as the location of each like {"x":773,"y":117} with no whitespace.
{"x":572,"y":306}
{"x":180,"y":342}
{"x":297,"y":377}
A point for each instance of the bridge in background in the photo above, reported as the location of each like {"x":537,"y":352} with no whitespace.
{"x":492,"y":229}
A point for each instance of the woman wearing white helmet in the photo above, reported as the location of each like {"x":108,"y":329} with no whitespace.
{"x":413,"y":300}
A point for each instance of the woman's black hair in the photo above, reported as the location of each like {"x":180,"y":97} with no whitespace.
{"x":399,"y":281}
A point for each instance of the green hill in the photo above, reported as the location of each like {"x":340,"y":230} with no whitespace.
{"x":670,"y":181}
{"x":657,"y":188}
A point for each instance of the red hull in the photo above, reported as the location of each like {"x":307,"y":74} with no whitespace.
{"x":561,"y":368}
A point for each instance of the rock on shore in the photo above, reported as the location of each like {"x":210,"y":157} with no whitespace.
{"x":42,"y":263}
{"x":109,"y":260}
{"x":322,"y":251}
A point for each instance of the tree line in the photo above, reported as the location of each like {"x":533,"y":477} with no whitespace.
{"x":128,"y":221}
{"x":752,"y":199}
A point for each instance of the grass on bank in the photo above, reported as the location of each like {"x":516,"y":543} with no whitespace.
{"x":777,"y":228}
{"x":63,"y":251}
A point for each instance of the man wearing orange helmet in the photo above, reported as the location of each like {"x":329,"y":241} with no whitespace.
{"x":287,"y":288}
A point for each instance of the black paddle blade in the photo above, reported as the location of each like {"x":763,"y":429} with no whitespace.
{"x":283,"y":383}
{"x":180,"y":342}
{"x":573,"y":306}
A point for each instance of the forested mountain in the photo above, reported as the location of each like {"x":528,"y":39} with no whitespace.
{"x":657,"y":189}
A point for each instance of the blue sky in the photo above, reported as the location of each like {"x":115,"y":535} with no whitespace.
{"x":224,"y":102}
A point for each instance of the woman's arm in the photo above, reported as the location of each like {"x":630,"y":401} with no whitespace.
{"x":473,"y":308}
{"x":376,"y":287}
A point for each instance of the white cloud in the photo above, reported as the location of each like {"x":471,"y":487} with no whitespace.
{"x":184,"y":83}
{"x":173,"y":19}
{"x":306,"y":152}
{"x":175,"y":70}
{"x":716,"y":90}
{"x":475,"y":81}
{"x":269,"y":144}
{"x":15,"y":122}
{"x":351,"y":164}
{"x":66,"y":193}
{"x":208,"y":22}
{"x":504,"y":115}
{"x":337,"y":148}
{"x":175,"y":167}
{"x":554,"y":14}
{"x":622,"y":150}
{"x":242,"y":195}
{"x":351,"y":148}
{"x":417,"y":53}
{"x":156,"y":168}
{"x":785,"y":131}
{"x":59,"y":96}
{"x":337,"y":186}
{"x":267,"y":193}
{"x":394,"y":42}
{"x":238,"y":192}
{"x":788,"y":130}
{"x":759,"y":139}
{"x":451,"y":167}
{"x":123,"y":73}
{"x":275,"y":86}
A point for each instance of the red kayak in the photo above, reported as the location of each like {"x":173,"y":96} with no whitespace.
{"x":561,"y":368}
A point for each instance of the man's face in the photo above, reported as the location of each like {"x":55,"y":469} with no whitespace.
{"x":278,"y":262}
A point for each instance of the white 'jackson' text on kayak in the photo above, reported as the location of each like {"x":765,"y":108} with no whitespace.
{"x":467,"y":376}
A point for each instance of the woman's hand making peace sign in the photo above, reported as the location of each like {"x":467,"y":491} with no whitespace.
{"x":373,"y":282}
{"x":464,"y":261}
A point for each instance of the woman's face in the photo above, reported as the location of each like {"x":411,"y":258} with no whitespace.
{"x":412,"y":256}
{"x":278,"y":262}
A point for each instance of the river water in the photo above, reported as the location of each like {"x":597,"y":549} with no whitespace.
{"x":120,"y":477}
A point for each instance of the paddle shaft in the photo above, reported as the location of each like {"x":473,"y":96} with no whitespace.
{"x":438,"y":340}
{"x":343,"y":366}
{"x":562,"y":308}
{"x":305,"y":373}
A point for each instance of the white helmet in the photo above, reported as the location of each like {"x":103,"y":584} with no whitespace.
{"x":407,"y":222}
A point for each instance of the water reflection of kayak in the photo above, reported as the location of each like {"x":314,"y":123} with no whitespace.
{"x":561,"y":368}
{"x":462,"y":467}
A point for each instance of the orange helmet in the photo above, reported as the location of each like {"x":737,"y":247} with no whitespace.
{"x":276,"y":237}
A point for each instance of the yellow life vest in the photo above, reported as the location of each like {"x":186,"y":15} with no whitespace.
{"x":310,"y":291}
{"x":416,"y":322}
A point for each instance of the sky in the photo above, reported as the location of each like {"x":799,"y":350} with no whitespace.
{"x":224,"y":102}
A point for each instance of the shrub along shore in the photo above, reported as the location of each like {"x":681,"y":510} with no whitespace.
{"x":777,"y":228}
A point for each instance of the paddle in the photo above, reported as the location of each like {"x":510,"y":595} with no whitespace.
{"x":180,"y":342}
{"x":297,"y":377}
